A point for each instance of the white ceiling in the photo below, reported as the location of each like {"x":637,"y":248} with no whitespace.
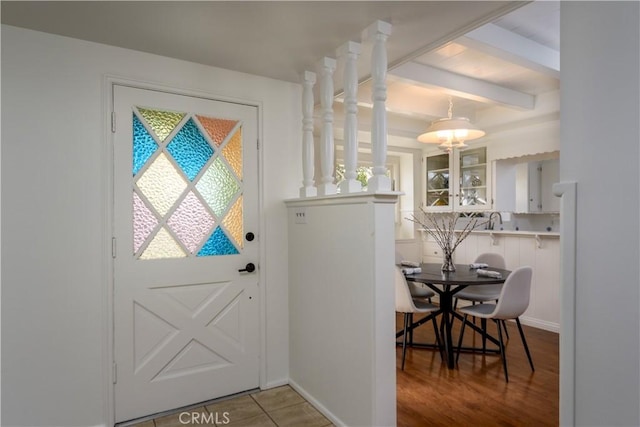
{"x":481,"y":53}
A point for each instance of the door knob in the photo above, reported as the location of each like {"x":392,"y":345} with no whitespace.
{"x":249,"y":268}
{"x":250,"y":236}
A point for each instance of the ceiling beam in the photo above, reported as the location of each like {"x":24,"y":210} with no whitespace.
{"x":496,"y":41}
{"x":463,"y":86}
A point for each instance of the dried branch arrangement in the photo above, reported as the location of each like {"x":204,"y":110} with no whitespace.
{"x":442,"y":227}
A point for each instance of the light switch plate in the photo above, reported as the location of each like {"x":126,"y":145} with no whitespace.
{"x":300,"y":215}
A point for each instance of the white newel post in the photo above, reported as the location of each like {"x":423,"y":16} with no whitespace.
{"x":307,"y":189}
{"x":378,"y":33}
{"x":326,"y":68}
{"x":350,"y":52}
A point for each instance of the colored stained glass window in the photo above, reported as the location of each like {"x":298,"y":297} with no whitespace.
{"x":176,"y":218}
{"x":143,"y":145}
{"x":190,"y":150}
{"x":191,"y":222}
{"x":218,"y":244}
{"x":162,"y":122}
{"x":163,"y":246}
{"x":161,"y":184}
{"x":218,"y":186}
{"x":232,"y":151}
{"x":144,"y":221}
{"x":218,"y":129}
{"x":233,"y":222}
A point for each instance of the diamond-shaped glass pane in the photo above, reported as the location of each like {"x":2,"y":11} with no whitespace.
{"x":162,"y":122}
{"x":232,"y":151}
{"x":190,"y":149}
{"x":161,"y":184}
{"x":218,"y":186}
{"x":191,"y":222}
{"x":143,"y":145}
{"x":163,"y":246}
{"x":218,"y":244}
{"x":144,"y":221}
{"x":218,"y":129}
{"x":233,"y":222}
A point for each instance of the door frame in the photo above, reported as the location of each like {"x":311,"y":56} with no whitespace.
{"x":108,"y":352}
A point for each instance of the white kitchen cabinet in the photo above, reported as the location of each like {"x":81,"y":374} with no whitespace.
{"x":526,"y":187}
{"x":460,"y":181}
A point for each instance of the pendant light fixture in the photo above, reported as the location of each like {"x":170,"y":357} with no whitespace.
{"x":451,"y":132}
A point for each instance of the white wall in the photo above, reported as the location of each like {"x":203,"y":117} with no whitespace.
{"x":342,"y":308}
{"x":55,"y":264}
{"x":600,"y":151}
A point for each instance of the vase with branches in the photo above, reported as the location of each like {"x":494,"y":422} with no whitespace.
{"x":442,"y":227}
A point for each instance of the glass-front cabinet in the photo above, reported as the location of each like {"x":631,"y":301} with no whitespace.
{"x":459,"y":181}
{"x":438,"y":182}
{"x":473,"y":193}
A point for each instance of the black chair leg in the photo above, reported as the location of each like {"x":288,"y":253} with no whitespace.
{"x":435,"y":329}
{"x":502,"y":352}
{"x":411,"y":330}
{"x":464,"y":323}
{"x":404,"y":338}
{"x":504,"y":325}
{"x":483,"y":325}
{"x":524,"y":342}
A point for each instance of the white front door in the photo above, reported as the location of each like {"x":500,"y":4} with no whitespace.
{"x":185,"y":200}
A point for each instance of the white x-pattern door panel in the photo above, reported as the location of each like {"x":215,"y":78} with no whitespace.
{"x":185,"y":194}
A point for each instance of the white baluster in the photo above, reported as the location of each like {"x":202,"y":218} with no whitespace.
{"x":307,"y":189}
{"x":350,"y":52}
{"x":326,"y":68}
{"x":378,"y":32}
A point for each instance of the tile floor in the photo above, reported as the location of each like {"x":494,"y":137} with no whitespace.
{"x":277,"y":407}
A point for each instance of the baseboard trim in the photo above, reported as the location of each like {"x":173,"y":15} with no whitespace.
{"x":540,"y":324}
{"x":320,"y":407}
{"x":274,"y":384}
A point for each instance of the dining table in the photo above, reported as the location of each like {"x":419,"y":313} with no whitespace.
{"x":446,"y":284}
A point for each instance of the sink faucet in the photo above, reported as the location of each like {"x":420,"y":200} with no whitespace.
{"x":490,"y":225}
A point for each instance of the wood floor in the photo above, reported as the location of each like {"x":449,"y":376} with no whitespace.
{"x":475,"y":392}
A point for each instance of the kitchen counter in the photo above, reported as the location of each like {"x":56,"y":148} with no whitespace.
{"x":514,"y":233}
{"x":519,"y":233}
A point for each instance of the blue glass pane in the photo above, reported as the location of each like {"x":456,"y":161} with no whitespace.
{"x":190,"y":149}
{"x":143,"y":145}
{"x":218,"y":244}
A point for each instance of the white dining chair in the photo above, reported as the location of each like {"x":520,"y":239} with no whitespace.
{"x":512,"y":302}
{"x":408,"y":305}
{"x":418,"y":290}
{"x":484,"y":293}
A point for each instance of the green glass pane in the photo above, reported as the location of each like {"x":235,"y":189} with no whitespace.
{"x":218,"y":187}
{"x":162,"y":184}
{"x":163,"y":246}
{"x":162,"y":122}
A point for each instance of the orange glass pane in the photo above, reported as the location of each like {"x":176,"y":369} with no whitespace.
{"x":232,"y":151}
{"x":218,"y":129}
{"x":233,"y":222}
